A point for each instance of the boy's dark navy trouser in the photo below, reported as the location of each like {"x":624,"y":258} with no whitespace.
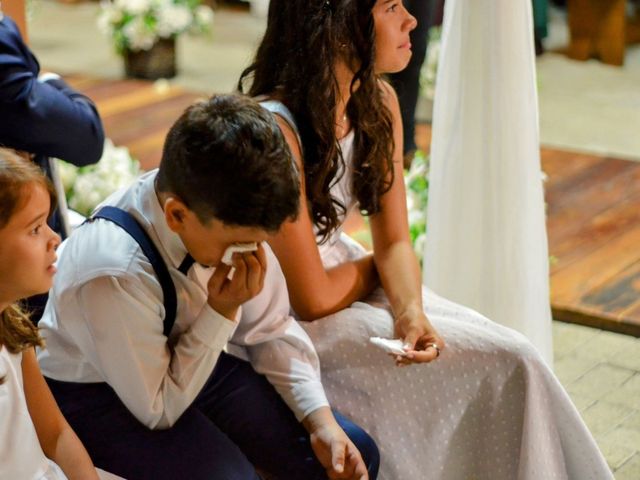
{"x":238,"y":422}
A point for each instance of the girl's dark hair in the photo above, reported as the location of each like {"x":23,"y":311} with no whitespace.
{"x":17,"y":172}
{"x":295,"y":63}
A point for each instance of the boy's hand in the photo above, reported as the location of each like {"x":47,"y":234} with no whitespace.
{"x":337,"y":454}
{"x":226,"y":296}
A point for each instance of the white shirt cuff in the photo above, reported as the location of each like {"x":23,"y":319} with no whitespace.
{"x":213,"y":329}
{"x":306,"y":398}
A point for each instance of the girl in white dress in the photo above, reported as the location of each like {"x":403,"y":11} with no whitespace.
{"x":35,"y":440}
{"x":485,"y":406}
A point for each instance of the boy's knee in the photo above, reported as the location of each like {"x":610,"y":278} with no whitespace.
{"x":369,"y":451}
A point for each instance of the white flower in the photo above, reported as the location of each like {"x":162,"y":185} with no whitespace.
{"x":204,"y":16}
{"x":138,"y":36}
{"x":411,"y":203}
{"x":134,"y":7}
{"x":115,"y":170}
{"x":416,"y":217}
{"x":418,"y":245}
{"x":137,"y":24}
{"x":85,"y":196}
{"x":109,"y":16}
{"x":160,"y":4}
{"x":172,"y":20}
{"x":68,"y":174}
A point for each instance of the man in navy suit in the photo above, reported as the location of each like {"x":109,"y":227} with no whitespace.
{"x":43,"y":116}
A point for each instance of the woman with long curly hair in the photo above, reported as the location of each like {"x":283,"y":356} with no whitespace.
{"x":487,"y":405}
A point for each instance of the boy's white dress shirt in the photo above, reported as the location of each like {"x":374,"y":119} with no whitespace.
{"x":104,"y":321}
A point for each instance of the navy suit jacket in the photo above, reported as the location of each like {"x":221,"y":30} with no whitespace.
{"x":45,"y":118}
{"x":48,"y":119}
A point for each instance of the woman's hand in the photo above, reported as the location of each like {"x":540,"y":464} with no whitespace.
{"x":419,"y":338}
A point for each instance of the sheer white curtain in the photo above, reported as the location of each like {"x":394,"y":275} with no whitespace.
{"x":486,"y":244}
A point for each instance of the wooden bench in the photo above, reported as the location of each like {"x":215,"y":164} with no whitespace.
{"x":600,"y":29}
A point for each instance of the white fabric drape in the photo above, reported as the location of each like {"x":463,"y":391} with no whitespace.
{"x":486,"y":244}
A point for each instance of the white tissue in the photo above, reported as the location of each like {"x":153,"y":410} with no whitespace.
{"x":389,"y":345}
{"x":238,"y":247}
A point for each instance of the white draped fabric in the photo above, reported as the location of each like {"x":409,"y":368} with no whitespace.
{"x":486,"y":244}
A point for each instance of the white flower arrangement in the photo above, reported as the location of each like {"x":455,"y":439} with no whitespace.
{"x":416,"y":181}
{"x":138,"y":24}
{"x":86,"y":187}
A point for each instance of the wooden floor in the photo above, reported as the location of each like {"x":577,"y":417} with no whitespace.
{"x":593,"y":204}
{"x":593,"y":225}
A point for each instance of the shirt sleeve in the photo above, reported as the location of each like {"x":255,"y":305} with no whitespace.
{"x":278,"y":347}
{"x":118,"y":324}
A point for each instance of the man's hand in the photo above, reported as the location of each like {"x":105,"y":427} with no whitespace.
{"x":419,"y":338}
{"x":226,"y":296}
{"x":337,"y":454}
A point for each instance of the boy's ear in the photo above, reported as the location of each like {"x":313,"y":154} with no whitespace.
{"x":175,"y":213}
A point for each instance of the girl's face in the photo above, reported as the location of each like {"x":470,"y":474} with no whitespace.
{"x":27,"y":247}
{"x":393,"y":23}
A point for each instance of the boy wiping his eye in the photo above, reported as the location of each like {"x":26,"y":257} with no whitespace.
{"x":167,"y":368}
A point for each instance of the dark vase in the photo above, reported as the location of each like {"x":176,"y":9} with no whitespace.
{"x":157,"y":62}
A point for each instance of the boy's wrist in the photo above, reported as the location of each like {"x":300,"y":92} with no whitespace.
{"x":230,"y":312}
{"x":317,"y":419}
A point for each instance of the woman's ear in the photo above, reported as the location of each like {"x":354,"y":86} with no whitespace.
{"x":175,"y":213}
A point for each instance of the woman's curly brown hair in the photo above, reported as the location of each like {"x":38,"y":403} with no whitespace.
{"x":295,"y":63}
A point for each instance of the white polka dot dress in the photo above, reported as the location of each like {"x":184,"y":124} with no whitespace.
{"x":489,"y":408}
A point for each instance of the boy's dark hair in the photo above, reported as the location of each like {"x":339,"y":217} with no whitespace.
{"x":227,"y":158}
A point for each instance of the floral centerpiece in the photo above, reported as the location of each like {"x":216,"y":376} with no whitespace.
{"x":86,"y":187}
{"x":140,"y":28}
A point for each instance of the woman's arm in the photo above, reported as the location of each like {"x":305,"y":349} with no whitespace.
{"x":315,"y":292}
{"x":57,"y":439}
{"x":394,"y":256}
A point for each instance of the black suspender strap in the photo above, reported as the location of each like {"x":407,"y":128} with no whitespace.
{"x":186,"y":264}
{"x":130,"y":225}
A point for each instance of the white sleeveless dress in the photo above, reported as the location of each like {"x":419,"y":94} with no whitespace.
{"x":21,"y":456}
{"x":488,"y":408}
